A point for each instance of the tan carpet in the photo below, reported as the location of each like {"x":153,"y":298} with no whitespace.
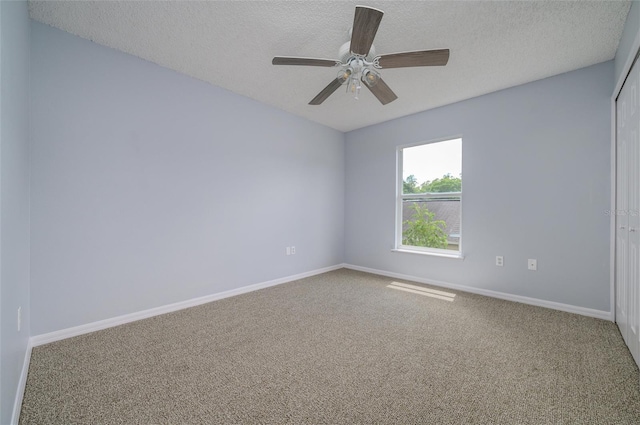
{"x":340,"y":348}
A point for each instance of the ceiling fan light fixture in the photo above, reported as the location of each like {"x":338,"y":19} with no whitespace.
{"x":370,"y":77}
{"x":344,"y":74}
{"x":354,"y":86}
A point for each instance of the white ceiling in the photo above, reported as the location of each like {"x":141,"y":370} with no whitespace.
{"x":494,"y":45}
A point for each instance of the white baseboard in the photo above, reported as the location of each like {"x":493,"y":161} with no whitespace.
{"x":22,"y":383}
{"x":132,"y":317}
{"x":605,"y":315}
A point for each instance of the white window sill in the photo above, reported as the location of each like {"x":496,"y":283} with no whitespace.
{"x":456,"y":255}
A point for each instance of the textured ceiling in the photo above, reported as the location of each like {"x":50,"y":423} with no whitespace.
{"x":494,"y":45}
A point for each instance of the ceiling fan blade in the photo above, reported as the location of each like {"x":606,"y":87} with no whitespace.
{"x":382,"y":91}
{"x":283,"y":60}
{"x":326,"y":92}
{"x":365,"y":26}
{"x":438,"y":57}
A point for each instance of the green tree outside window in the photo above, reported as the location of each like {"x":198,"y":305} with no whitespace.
{"x":424,"y":230}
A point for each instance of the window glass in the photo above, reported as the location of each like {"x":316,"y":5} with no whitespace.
{"x":430,"y":196}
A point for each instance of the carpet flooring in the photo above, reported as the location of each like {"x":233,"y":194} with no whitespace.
{"x":343,"y":347}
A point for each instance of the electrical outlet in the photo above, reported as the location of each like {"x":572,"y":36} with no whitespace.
{"x":532,"y":264}
{"x":19,"y":318}
{"x":293,"y":250}
{"x":499,"y":260}
{"x":288,"y":250}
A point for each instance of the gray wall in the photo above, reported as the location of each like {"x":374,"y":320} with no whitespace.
{"x":631,"y":28}
{"x":14,"y":197}
{"x":536,"y":184}
{"x":150,"y":187}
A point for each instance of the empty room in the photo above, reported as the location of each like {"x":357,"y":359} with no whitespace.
{"x":319,"y":212}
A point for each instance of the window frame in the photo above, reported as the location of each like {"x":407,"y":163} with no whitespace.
{"x":400,"y":197}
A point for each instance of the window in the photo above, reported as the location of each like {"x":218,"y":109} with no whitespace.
{"x":428,"y":210}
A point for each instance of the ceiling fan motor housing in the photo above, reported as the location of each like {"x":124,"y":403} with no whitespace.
{"x":344,"y":53}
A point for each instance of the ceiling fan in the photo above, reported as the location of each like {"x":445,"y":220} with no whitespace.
{"x":359,"y":63}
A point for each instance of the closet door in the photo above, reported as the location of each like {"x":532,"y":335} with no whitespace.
{"x":628,"y":213}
